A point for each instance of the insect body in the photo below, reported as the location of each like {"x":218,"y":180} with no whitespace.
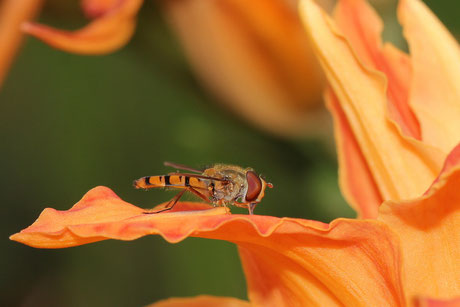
{"x":221,"y":185}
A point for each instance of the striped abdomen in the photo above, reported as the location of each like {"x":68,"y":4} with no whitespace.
{"x":174,"y":181}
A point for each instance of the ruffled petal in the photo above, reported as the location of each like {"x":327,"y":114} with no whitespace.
{"x":428,"y":228}
{"x":287,"y":261}
{"x":255,"y":56}
{"x":355,"y":178}
{"x":201,"y":301}
{"x":435,"y":88}
{"x":102,"y":215}
{"x":402,"y":167}
{"x":12,"y":14}
{"x":105,"y":34}
{"x":363,"y":27}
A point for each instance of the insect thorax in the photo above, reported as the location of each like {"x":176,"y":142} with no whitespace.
{"x":231,"y":190}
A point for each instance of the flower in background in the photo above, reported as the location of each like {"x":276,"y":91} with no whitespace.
{"x":253,"y":55}
{"x":112,"y":26}
{"x":12,"y":14}
{"x":395,"y":173}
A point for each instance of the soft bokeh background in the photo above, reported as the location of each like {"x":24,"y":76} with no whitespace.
{"x":69,"y":123}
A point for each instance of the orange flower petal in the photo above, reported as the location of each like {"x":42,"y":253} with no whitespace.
{"x":353,"y":263}
{"x":98,"y":213}
{"x":435,"y":88}
{"x":428,"y":230}
{"x":103,"y":35}
{"x":12,"y":14}
{"x":201,"y":301}
{"x":287,"y":261}
{"x":402,"y":167}
{"x":255,"y":56}
{"x":363,"y":28}
{"x":429,"y":302}
{"x":355,"y":179}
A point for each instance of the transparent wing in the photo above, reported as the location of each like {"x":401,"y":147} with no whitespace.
{"x":182,"y":167}
{"x":199,"y":176}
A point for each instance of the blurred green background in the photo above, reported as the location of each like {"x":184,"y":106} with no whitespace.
{"x":70,"y":123}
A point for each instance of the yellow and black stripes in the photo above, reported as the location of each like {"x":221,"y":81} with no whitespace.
{"x":176,"y":181}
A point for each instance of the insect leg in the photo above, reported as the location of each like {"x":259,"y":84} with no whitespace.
{"x":249,"y":206}
{"x":170,"y":204}
{"x":199,"y":194}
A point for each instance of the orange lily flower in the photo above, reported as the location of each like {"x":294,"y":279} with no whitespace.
{"x":12,"y":14}
{"x":405,"y":185}
{"x":294,"y":262}
{"x":253,"y":55}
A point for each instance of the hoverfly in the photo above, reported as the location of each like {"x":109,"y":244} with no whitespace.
{"x":220,"y":185}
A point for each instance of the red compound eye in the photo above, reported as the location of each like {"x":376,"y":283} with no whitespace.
{"x":254,"y":186}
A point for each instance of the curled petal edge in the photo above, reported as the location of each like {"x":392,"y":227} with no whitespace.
{"x":363,"y":27}
{"x":53,"y":229}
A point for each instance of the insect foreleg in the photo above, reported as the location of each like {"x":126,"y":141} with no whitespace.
{"x":249,"y":206}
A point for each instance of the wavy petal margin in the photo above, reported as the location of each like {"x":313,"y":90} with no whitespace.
{"x":102,"y":215}
{"x":106,"y":33}
{"x":201,"y":301}
{"x":363,"y":28}
{"x":435,"y":88}
{"x":287,"y":261}
{"x":12,"y":14}
{"x":403,"y":168}
{"x":428,"y":228}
